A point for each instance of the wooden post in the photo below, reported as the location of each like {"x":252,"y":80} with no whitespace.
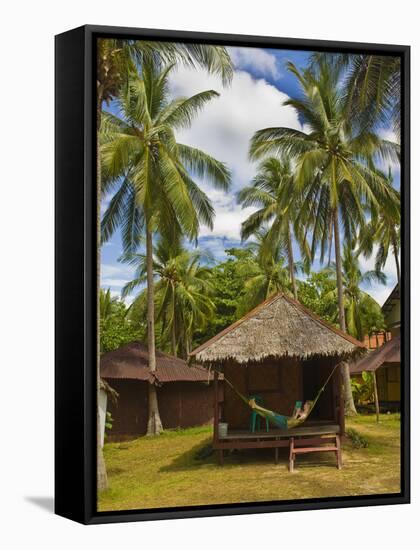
{"x":341,"y":415}
{"x":216,"y":408}
{"x":338,"y":452}
{"x":375,"y":390}
{"x":291,"y":454}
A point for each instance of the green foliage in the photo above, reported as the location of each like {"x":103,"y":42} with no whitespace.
{"x":183,"y":294}
{"x":357,"y":440}
{"x":275,"y":194}
{"x":317,"y":294}
{"x":228,"y":291}
{"x":115,"y":327}
{"x":363,"y":390}
{"x":108,"y":421}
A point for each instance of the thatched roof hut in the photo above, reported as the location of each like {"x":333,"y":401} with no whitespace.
{"x":283,"y":353}
{"x":385,"y":364}
{"x":184,"y":393}
{"x":279,"y":327}
{"x":388,"y":354}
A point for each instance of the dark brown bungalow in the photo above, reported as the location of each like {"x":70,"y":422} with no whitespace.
{"x":284,"y":353}
{"x":184,"y":393}
{"x":385,"y":363}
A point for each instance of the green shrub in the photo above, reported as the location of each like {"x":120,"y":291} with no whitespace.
{"x":363,"y":391}
{"x":357,"y":440}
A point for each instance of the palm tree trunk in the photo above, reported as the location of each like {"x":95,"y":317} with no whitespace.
{"x":173,"y":327}
{"x":101,"y":476}
{"x":350,"y":409}
{"x":154,"y":424}
{"x":291,"y":264}
{"x":397,"y":261}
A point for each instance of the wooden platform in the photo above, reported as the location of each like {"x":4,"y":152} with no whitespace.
{"x":316,"y":437}
{"x":307,"y":430}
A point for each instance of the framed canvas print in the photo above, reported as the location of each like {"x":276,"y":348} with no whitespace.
{"x":232,"y":274}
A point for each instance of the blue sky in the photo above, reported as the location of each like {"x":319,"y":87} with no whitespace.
{"x":254,"y":100}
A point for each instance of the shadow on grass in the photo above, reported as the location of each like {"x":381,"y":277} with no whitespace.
{"x":202,"y":455}
{"x":197,"y":458}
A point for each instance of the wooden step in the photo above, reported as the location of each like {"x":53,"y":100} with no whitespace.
{"x":299,"y":450}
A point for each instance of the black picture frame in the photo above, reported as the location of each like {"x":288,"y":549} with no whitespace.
{"x":75,"y":275}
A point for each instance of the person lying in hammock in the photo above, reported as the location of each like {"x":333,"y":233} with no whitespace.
{"x":300,"y":413}
{"x":298,"y":417}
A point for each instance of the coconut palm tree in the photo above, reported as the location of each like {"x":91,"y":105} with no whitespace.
{"x":273,"y":192}
{"x":357,"y":303}
{"x":333,"y":168}
{"x":383,"y":230}
{"x":115,"y":60}
{"x":372,"y":87}
{"x":140,"y":154}
{"x":262,"y":271}
{"x":183,"y":292}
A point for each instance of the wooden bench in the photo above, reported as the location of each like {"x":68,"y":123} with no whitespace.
{"x":300,"y":446}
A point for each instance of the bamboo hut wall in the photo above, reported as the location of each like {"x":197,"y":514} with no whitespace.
{"x":279,"y":382}
{"x":181,"y":404}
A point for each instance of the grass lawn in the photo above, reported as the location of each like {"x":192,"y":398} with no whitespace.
{"x":165,"y":471}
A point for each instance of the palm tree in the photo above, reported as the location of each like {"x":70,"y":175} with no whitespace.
{"x":151,"y":173}
{"x":106,"y":303}
{"x":357,"y":303}
{"x":383,"y":229}
{"x":183,"y":292}
{"x":333,"y":168}
{"x":116,"y":58}
{"x":372,"y":87}
{"x":273,"y":192}
{"x":263,"y":272}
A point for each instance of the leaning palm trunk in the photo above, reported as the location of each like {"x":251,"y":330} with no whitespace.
{"x":173,"y":326}
{"x":291,"y":265}
{"x":102,"y":479}
{"x":397,"y":262}
{"x":154,"y":424}
{"x":350,"y":409}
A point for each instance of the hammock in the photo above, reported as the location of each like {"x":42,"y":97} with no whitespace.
{"x":279,"y":420}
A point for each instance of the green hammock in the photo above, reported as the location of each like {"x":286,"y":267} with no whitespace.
{"x":279,"y":420}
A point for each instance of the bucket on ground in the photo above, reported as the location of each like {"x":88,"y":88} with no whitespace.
{"x":223,"y":429}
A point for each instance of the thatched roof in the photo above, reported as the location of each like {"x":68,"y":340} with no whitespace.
{"x":279,"y":327}
{"x":388,"y":353}
{"x":392,"y":299}
{"x":130,"y":362}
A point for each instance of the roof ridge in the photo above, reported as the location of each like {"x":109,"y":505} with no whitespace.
{"x":268,"y":302}
{"x":318,"y":319}
{"x":236,"y":324}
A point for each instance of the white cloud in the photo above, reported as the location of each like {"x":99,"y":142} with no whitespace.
{"x":388,"y":134}
{"x":226,"y":124}
{"x":115,"y":283}
{"x":224,"y":129}
{"x":115,"y":271}
{"x":259,"y":61}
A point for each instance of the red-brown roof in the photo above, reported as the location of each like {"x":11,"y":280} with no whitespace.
{"x":390,"y":352}
{"x":131,"y":362}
